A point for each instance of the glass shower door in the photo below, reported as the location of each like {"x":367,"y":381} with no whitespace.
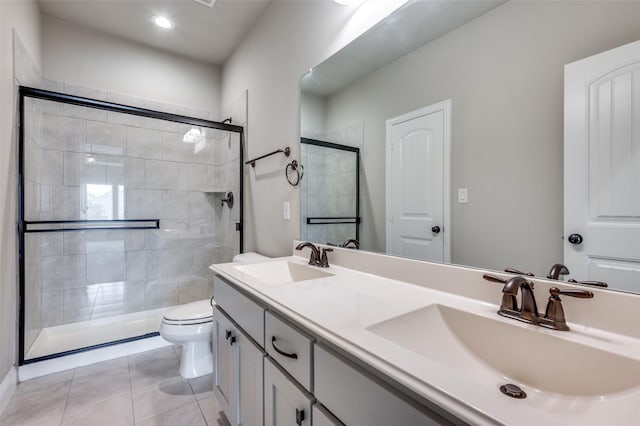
{"x":122,"y":216}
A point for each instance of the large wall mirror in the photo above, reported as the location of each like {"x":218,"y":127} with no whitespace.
{"x":457,"y":111}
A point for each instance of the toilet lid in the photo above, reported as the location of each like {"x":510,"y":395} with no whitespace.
{"x":194,"y":311}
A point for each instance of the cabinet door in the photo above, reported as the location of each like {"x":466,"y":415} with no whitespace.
{"x":321,"y":417}
{"x":224,"y":365}
{"x":250,"y":361}
{"x":357,"y":399}
{"x":285,"y":403}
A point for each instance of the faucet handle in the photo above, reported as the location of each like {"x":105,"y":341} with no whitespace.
{"x":518,"y":272}
{"x":494,"y":279}
{"x":591,"y":283}
{"x":582,"y":294}
{"x":554,"y":314}
{"x":324,"y":260}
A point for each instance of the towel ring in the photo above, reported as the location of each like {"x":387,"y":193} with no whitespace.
{"x":294,"y":165}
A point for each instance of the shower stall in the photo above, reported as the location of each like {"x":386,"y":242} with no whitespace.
{"x":121,"y":211}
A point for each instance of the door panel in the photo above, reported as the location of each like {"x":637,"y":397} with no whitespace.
{"x":224,"y":366}
{"x":602,"y":167}
{"x":284,"y":402}
{"x":416,"y":181}
{"x":250,"y":376}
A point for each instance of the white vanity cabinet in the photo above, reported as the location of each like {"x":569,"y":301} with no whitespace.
{"x":237,"y":372}
{"x":359,"y":400}
{"x":268,"y":371}
{"x":286,"y":403}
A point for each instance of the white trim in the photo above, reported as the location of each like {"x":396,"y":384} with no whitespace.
{"x":445,"y":107}
{"x":42,"y":368}
{"x":7,"y":388}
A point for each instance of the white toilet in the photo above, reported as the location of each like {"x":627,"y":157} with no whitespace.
{"x":190,"y":325}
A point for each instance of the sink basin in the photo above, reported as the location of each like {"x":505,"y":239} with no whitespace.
{"x":474,"y":344}
{"x":271,"y":273}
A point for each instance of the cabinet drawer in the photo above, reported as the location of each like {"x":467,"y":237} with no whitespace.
{"x":290,"y":347}
{"x":245,"y":312}
{"x":285,"y":403}
{"x":359,"y":400}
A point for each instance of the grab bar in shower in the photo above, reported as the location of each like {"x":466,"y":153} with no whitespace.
{"x":90,"y":225}
{"x":286,"y":151}
{"x":332,"y":220}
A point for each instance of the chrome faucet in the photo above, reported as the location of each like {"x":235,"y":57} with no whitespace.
{"x":557,"y":270}
{"x":528,"y":312}
{"x":316,"y":259}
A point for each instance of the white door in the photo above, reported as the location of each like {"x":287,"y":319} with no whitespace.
{"x":417,"y":186}
{"x":602,"y":168}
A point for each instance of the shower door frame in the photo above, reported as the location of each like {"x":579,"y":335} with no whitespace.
{"x":357,"y":220}
{"x":30,"y":92}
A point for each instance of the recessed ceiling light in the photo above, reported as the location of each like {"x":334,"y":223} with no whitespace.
{"x":162,"y":22}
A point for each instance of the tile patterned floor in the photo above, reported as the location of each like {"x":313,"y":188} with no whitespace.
{"x":142,"y":389}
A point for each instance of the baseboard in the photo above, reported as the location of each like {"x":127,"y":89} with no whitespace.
{"x":7,"y":387}
{"x":67,"y":362}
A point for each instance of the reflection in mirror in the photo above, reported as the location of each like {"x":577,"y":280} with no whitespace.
{"x":502,"y":66}
{"x":329,"y":193}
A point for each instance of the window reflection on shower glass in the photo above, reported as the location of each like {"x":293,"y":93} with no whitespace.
{"x":104,"y":202}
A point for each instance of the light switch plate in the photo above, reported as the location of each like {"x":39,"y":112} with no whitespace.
{"x":463,"y":195}
{"x":286,"y":210}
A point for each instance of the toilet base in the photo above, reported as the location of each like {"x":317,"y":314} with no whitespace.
{"x":196,"y":359}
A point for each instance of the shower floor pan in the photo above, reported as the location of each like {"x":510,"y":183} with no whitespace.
{"x":62,"y":338}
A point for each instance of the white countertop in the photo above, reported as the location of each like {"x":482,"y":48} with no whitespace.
{"x":342,"y":307}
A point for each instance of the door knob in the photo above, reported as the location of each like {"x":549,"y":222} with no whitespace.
{"x":435,"y":229}
{"x":575,"y":239}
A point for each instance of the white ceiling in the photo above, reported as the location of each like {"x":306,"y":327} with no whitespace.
{"x":202,"y":33}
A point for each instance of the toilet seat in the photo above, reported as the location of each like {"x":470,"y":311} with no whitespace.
{"x":199,"y":312}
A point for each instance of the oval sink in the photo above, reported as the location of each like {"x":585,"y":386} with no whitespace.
{"x":467,"y":342}
{"x":281,"y":272}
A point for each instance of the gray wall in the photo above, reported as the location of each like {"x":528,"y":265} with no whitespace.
{"x":504,"y":74}
{"x":24,"y":18}
{"x":289,"y":38}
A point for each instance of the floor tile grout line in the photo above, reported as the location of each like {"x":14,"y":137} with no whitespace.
{"x":66,"y":401}
{"x":133,"y":412}
{"x":202,"y":411}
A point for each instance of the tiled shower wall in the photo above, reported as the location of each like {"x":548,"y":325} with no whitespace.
{"x":328,"y":188}
{"x":90,"y":164}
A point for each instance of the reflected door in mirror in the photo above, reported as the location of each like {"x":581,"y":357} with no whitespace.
{"x":416,"y":184}
{"x":602,"y":167}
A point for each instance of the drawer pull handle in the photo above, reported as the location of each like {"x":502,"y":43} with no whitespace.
{"x":294,"y":356}
{"x":299,"y":417}
{"x":227,"y":334}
